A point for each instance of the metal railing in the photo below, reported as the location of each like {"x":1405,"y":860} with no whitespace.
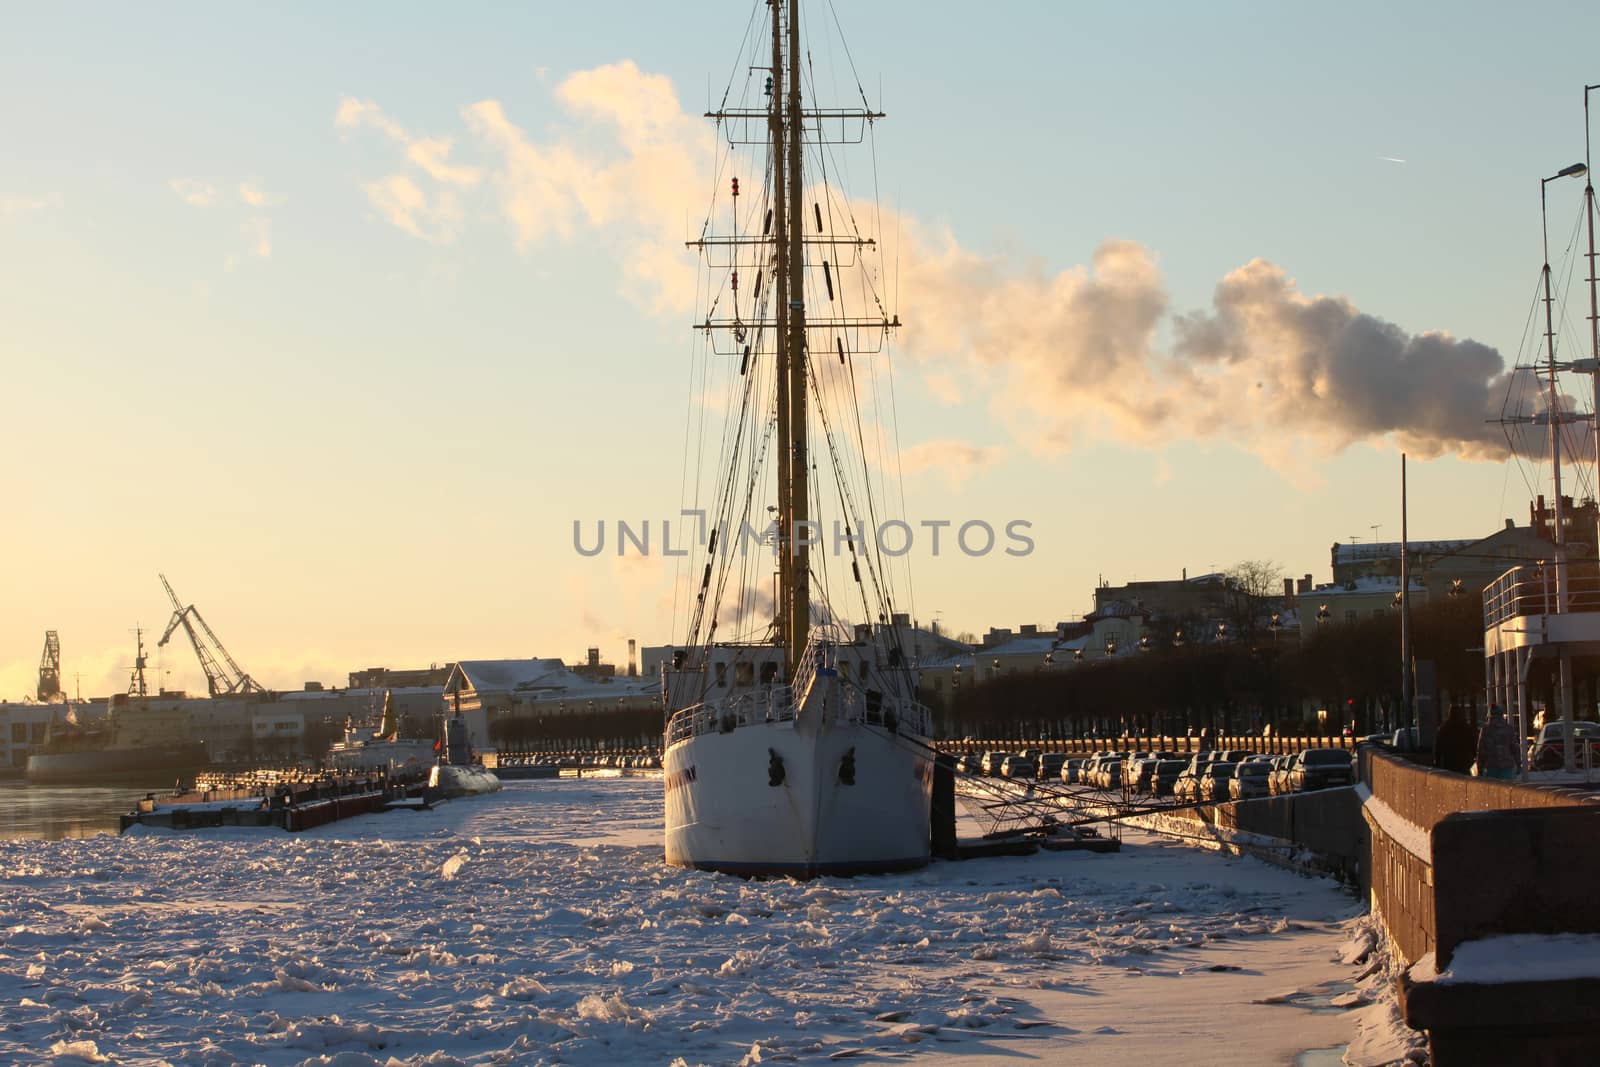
{"x":773,"y":704}
{"x":1548,"y":587}
{"x":780,"y":703}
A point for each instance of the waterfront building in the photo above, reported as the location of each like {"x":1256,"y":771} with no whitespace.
{"x":519,"y":702}
{"x":23,"y":728}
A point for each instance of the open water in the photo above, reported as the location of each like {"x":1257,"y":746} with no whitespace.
{"x":52,"y":812}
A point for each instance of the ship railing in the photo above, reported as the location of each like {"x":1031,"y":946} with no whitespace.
{"x":1548,"y":587}
{"x":893,"y":713}
{"x":767,"y":705}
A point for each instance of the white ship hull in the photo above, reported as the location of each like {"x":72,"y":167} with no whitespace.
{"x":851,"y":798}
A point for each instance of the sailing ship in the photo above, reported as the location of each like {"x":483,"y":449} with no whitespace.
{"x":796,"y":745}
{"x":1550,"y":609}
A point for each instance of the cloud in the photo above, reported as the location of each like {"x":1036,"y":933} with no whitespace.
{"x":195,"y":193}
{"x":628,"y":162}
{"x":957,"y":460}
{"x":1267,"y":360}
{"x":431,"y":154}
{"x":397,"y":197}
{"x":258,"y":233}
{"x":14,"y":207}
{"x":638,"y":189}
{"x":252,"y":195}
{"x":403,"y":204}
{"x":1063,"y":356}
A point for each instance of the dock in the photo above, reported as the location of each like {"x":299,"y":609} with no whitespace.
{"x":286,"y":802}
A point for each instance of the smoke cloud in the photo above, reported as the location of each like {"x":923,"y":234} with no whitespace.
{"x":1066,"y":356}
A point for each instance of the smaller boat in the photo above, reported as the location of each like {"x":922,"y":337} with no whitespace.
{"x":384,"y":747}
{"x":458,"y":773}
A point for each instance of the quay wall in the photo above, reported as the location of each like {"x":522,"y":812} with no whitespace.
{"x":1321,"y":830}
{"x":1456,"y":859}
{"x":1404,"y":888}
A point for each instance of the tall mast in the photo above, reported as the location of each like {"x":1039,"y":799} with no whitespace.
{"x":1553,"y":402}
{"x":1594,"y":311}
{"x":799,"y":592}
{"x":780,"y":222}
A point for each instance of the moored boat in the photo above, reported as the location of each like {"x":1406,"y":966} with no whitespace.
{"x":795,"y":749}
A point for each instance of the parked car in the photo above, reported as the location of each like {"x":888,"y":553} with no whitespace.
{"x":992,"y":761}
{"x":1164,"y":779}
{"x":1548,"y":752}
{"x":1017,"y":766}
{"x":1109,"y":775}
{"x":969,"y":763}
{"x":1249,"y":780}
{"x":1213,"y":781}
{"x":1050,"y":764}
{"x":1139,"y":775}
{"x":1186,"y":788}
{"x":1071,"y":768}
{"x":1321,"y":768}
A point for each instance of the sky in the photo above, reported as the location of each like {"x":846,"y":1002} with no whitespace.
{"x":341,"y":318}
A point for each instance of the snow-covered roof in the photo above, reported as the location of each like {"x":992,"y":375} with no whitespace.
{"x":510,"y":675}
{"x":1365,"y":586}
{"x":1359,"y":553}
{"x":538,"y":677}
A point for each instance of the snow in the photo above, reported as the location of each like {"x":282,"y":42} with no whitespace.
{"x":539,"y":925}
{"x":1516,"y":958}
{"x":1402,"y":831}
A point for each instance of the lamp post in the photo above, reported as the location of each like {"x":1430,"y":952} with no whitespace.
{"x":1553,"y":414}
{"x":1552,"y":410}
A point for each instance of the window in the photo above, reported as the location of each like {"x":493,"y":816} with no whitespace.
{"x":744,"y":673}
{"x":722,"y":675}
{"x":19,"y":732}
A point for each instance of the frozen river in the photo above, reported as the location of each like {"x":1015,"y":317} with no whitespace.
{"x":538,"y":925}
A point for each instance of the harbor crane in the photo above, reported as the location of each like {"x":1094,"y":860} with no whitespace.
{"x":221,"y":678}
{"x":50,"y":668}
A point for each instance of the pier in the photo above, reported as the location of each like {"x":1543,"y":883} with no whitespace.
{"x":289,"y":802}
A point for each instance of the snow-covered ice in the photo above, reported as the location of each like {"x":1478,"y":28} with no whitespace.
{"x":539,"y":925}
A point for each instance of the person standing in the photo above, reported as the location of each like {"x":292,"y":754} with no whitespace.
{"x":1499,"y":754}
{"x":1453,"y":745}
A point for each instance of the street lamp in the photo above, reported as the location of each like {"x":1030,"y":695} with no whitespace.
{"x":1554,"y":412}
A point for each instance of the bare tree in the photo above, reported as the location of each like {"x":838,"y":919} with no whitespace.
{"x":1255,"y":584}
